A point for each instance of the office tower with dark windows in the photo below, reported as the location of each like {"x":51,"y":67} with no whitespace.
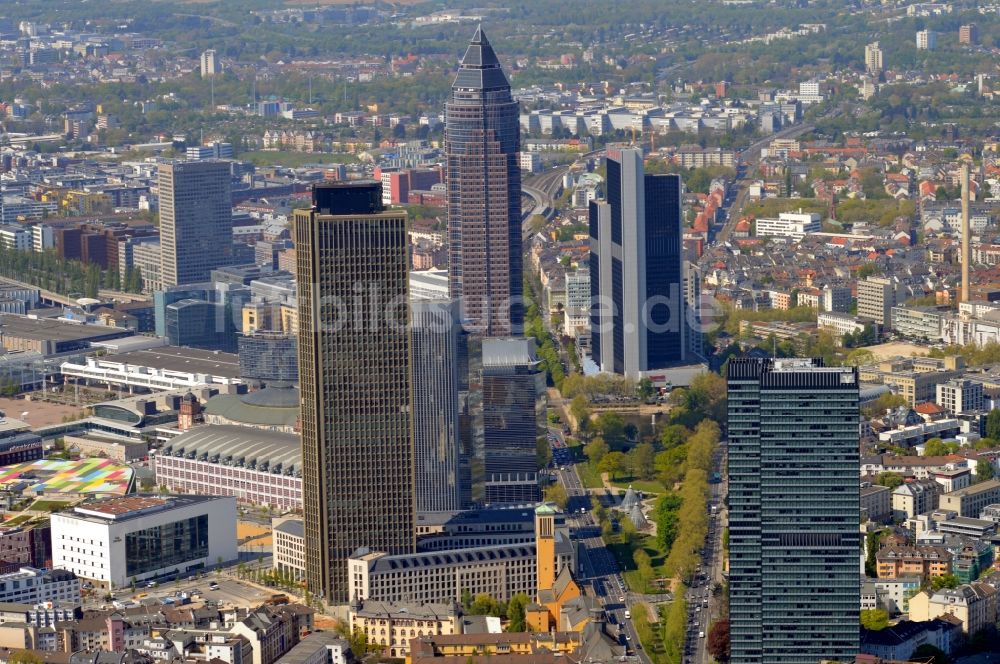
{"x":196,"y":220}
{"x":637,"y":315}
{"x":440,"y":378}
{"x":355,"y":380}
{"x":483,"y":181}
{"x":511,"y":383}
{"x":794,"y":509}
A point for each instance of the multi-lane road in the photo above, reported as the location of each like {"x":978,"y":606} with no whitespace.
{"x":704,"y":606}
{"x":596,"y":564}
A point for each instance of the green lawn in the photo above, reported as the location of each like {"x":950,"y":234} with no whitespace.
{"x":588,"y":475}
{"x":296,"y":159}
{"x":623,"y":554}
{"x":48,"y":505}
{"x":18,"y":520}
{"x":649,"y":634}
{"x":646,"y":486}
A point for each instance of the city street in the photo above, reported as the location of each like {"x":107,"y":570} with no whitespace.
{"x":596,"y":564}
{"x":704,"y":607}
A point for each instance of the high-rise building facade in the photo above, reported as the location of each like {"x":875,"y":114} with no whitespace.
{"x":926,"y":40}
{"x":873,"y":59}
{"x":876,"y":298}
{"x":636,"y":279}
{"x":196,"y":220}
{"x":794,"y":509}
{"x":440,"y":375}
{"x":511,"y":385}
{"x":269,"y":357}
{"x":968,"y":34}
{"x":355,"y":380}
{"x":210,"y":64}
{"x":483,"y":181}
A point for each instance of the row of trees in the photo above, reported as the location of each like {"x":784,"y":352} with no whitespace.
{"x":548,"y":353}
{"x":598,"y":386}
{"x":692,"y":516}
{"x":673,"y":618}
{"x":975,"y":355}
{"x":48,"y":271}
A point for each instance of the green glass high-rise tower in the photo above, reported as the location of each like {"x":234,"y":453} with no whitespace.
{"x":793,"y":511}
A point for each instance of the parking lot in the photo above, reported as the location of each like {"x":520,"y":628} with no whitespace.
{"x":230,"y":592}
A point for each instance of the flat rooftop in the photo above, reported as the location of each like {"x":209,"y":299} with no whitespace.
{"x":56,"y":476}
{"x":50,"y":329}
{"x":176,"y":358}
{"x":516,"y":514}
{"x":134,"y":506}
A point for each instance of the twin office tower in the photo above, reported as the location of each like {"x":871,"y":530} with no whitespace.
{"x":637,"y":287}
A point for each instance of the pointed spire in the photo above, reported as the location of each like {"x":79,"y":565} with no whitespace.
{"x":480,"y":68}
{"x":480,"y":54}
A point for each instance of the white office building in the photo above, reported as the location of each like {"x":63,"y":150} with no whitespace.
{"x":926,"y":40}
{"x":577,"y":312}
{"x":959,"y":395}
{"x":793,"y":225}
{"x":840,"y":323}
{"x":15,"y":237}
{"x":144,"y":537}
{"x":531,"y":162}
{"x":42,"y":237}
{"x":34,"y":586}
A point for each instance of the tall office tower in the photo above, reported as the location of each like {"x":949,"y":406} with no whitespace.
{"x":873,"y":59}
{"x":440,"y":374}
{"x":511,"y":384}
{"x":794,"y":509}
{"x":637,"y":316}
{"x":483,"y":179}
{"x":196,"y":220}
{"x":210,"y":64}
{"x":354,"y":377}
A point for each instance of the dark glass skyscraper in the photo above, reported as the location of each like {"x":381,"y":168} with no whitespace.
{"x":794,"y":510}
{"x":483,"y":179}
{"x":636,"y":281}
{"x":440,"y":377}
{"x":355,"y":377}
{"x":511,"y":384}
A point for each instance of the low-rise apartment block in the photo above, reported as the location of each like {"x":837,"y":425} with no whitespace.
{"x":392,"y":626}
{"x":893,"y":562}
{"x":916,"y":497}
{"x":975,"y":604}
{"x":876,"y":503}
